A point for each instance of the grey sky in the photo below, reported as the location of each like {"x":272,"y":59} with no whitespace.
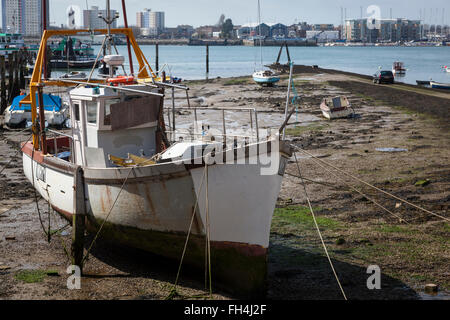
{"x":202,"y":12}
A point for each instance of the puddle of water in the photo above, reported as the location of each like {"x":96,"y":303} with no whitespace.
{"x":391,"y":149}
{"x":435,"y":296}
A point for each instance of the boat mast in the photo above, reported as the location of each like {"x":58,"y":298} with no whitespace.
{"x":259,"y":27}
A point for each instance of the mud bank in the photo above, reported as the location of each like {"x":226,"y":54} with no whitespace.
{"x":410,"y":251}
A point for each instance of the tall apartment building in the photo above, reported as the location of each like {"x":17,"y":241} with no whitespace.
{"x":92,"y":21}
{"x":388,"y":30}
{"x":23,"y":16}
{"x":152,"y":21}
{"x":139,"y":19}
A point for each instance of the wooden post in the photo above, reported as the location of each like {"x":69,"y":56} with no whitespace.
{"x":207,"y":61}
{"x":173,"y":112}
{"x":78,"y":222}
{"x":287,"y":52}
{"x":3,"y":101}
{"x":10,"y":76}
{"x":16,"y":89}
{"x":157,"y":58}
{"x":22,"y":67}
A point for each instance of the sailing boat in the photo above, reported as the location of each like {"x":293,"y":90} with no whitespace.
{"x":265,"y":76}
{"x":144,"y":184}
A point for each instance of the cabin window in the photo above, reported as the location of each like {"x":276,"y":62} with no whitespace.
{"x":91,"y":110}
{"x":107,"y":115}
{"x":76,"y":111}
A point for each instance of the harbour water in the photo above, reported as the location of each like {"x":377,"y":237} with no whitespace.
{"x":188,"y":62}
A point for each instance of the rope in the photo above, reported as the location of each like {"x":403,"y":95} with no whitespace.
{"x":208,"y":234}
{"x":17,"y":151}
{"x":372,"y":186}
{"x":318,"y":230}
{"x":107,"y":216}
{"x":174,"y":290}
{"x":361,"y":193}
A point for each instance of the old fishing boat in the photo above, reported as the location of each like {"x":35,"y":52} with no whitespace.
{"x":19,"y":114}
{"x":148,"y":185}
{"x":337,"y":107}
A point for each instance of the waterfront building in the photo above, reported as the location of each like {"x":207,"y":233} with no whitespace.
{"x":91,"y":19}
{"x":151,"y":21}
{"x":23,"y":16}
{"x":322,"y":36}
{"x":383,"y":30}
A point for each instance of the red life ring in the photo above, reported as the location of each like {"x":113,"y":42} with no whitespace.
{"x":121,"y":80}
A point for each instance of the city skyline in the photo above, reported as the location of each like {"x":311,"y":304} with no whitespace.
{"x":204,"y":12}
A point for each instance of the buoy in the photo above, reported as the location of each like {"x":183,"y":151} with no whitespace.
{"x":121,"y":80}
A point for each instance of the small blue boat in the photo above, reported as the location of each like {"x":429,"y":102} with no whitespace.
{"x":438,"y":85}
{"x":56,"y":112}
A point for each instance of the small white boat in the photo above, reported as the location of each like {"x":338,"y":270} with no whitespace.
{"x":439,"y":85}
{"x":446,"y":69}
{"x":56,"y":111}
{"x":337,"y":107}
{"x":265,"y":77}
{"x":398,"y":68}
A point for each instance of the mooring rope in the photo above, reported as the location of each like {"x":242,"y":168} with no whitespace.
{"x":15,"y":154}
{"x":318,"y":230}
{"x":173,"y":291}
{"x":370,"y":185}
{"x":107,"y":216}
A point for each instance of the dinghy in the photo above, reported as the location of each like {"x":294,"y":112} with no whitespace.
{"x":337,"y":107}
{"x":56,"y":112}
{"x":439,"y":85}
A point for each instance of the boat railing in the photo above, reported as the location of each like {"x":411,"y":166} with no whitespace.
{"x":55,"y":143}
{"x":200,"y":129}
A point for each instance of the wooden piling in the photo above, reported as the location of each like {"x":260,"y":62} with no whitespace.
{"x":207,"y":61}
{"x":3,"y":99}
{"x":157,"y":57}
{"x":10,"y":76}
{"x":78,"y":222}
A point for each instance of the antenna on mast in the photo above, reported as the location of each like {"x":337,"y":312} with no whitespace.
{"x":109,"y":21}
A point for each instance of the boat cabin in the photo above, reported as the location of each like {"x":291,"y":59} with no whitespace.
{"x":108,"y":123}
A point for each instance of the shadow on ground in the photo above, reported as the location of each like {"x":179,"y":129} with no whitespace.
{"x":296,"y":274}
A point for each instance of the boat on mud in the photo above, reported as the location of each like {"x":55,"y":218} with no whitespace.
{"x":423,"y":82}
{"x":439,"y":85}
{"x":145,"y":184}
{"x":337,"y":107}
{"x":19,"y":114}
{"x":265,"y":77}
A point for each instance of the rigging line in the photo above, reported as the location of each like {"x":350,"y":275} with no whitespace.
{"x":189,"y":232}
{"x":96,"y":59}
{"x":107,"y":216}
{"x":17,"y":151}
{"x":318,"y":230}
{"x":372,"y":186}
{"x":361,"y":193}
{"x":208,"y":229}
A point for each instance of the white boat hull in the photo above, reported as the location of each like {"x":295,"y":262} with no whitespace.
{"x":156,"y":204}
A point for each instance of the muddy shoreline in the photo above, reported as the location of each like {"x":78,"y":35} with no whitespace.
{"x":410,"y":252}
